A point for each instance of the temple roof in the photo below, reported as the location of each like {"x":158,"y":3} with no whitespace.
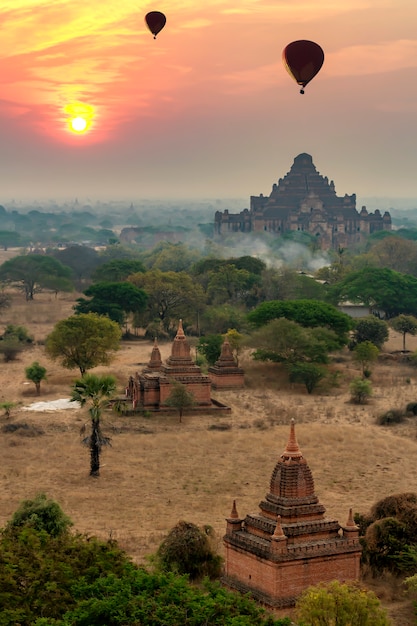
{"x":302,"y":182}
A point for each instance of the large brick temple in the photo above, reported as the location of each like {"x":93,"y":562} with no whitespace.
{"x":305,"y":201}
{"x":289,"y":544}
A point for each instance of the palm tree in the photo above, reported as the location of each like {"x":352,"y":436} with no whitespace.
{"x":95,"y":391}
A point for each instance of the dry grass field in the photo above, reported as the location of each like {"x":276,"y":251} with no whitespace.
{"x":159,"y":471}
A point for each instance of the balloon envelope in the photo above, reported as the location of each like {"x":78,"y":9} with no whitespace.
{"x":155,"y":21}
{"x":303,"y":60}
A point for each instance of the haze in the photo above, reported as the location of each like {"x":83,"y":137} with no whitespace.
{"x":207,"y":109}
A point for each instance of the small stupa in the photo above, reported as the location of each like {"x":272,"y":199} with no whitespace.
{"x":225,"y":373}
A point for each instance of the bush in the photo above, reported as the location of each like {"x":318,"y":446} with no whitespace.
{"x":390,"y":535}
{"x":188,"y":550}
{"x":393,"y":416}
{"x":341,"y":604}
{"x":42,"y":515}
{"x":360,"y":390}
{"x":411,"y":408}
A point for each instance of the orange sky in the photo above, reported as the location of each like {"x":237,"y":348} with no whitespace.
{"x":207,"y":109}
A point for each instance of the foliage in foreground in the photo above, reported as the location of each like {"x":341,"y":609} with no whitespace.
{"x":341,"y":604}
{"x":74,"y":580}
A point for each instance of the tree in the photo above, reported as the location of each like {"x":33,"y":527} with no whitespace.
{"x":81,"y":259}
{"x":95,"y":391}
{"x":42,"y":514}
{"x":365,"y":353}
{"x":404,"y":324}
{"x":285,"y":341}
{"x":210,"y":346}
{"x":236,"y":341}
{"x":309,"y":374}
{"x":218,"y":319}
{"x":396,"y":253}
{"x":230,"y":284}
{"x":171,"y":257}
{"x":187,"y":549}
{"x":340,"y":603}
{"x":171,"y":296}
{"x":84,"y":341}
{"x":114,"y":299}
{"x":180,"y":398}
{"x":117,"y":270}
{"x":33,"y":272}
{"x":36,"y":373}
{"x":380,"y":288}
{"x":9,"y":238}
{"x":371,"y":328}
{"x":307,"y":313}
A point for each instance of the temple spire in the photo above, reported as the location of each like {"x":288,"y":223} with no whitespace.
{"x":350,"y":521}
{"x":234,"y":514}
{"x":292,"y":451}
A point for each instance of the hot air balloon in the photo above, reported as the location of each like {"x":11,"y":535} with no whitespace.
{"x":303,"y":60}
{"x":155,"y":21}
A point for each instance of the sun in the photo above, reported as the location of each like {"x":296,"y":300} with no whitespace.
{"x":78,"y":124}
{"x":79,"y":117}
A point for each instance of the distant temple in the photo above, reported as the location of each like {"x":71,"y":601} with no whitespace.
{"x":289,"y":544}
{"x":305,"y":201}
{"x":150,"y":389}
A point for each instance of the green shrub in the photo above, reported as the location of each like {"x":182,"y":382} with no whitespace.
{"x":360,"y":390}
{"x":341,"y":604}
{"x":41,"y":514}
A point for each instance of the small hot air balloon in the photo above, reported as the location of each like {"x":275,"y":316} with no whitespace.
{"x":155,"y":21}
{"x":303,"y":60}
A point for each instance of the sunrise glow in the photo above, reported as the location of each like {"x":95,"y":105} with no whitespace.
{"x":79,"y":117}
{"x":208,"y":107}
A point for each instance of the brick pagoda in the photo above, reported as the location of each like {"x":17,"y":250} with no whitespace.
{"x":225,"y":373}
{"x":289,"y":544}
{"x":149,"y":389}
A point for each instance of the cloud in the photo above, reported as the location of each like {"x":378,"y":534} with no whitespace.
{"x":360,"y":60}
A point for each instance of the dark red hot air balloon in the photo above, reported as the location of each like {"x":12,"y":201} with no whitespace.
{"x":303,"y":60}
{"x":155,"y":21}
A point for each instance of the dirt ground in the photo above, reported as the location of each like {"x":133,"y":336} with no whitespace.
{"x":159,"y":471}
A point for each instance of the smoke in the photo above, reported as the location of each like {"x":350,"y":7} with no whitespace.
{"x":276,"y":253}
